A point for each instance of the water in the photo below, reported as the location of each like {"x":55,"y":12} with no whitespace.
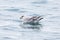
{"x":11,"y":27}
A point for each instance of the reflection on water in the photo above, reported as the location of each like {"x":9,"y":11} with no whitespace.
{"x":31,"y":26}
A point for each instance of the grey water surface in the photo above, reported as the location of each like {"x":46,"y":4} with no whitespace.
{"x":11,"y":27}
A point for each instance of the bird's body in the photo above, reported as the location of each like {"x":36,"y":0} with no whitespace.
{"x":31,"y":20}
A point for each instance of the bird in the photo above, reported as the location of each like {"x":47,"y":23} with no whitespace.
{"x":31,"y":20}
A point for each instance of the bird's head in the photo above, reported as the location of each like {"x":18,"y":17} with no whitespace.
{"x":21,"y":17}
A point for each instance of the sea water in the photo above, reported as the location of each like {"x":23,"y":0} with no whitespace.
{"x":11,"y":27}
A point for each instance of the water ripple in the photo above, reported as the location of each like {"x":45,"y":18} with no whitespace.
{"x":15,"y":10}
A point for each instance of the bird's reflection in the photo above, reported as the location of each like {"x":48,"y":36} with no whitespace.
{"x":31,"y":26}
